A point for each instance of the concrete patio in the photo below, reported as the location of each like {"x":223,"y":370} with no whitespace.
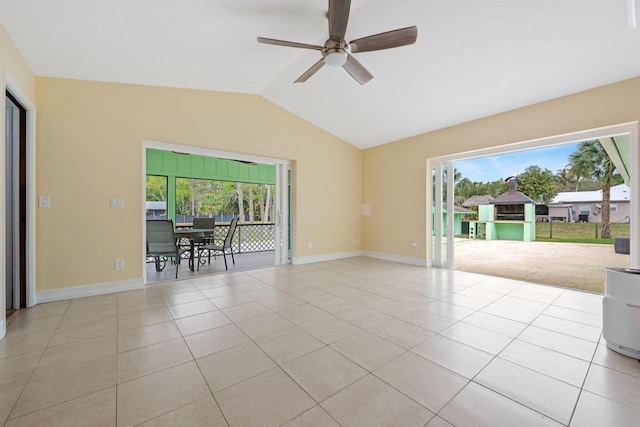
{"x":573,"y":265}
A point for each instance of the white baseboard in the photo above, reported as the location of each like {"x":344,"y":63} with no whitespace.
{"x":87,"y":290}
{"x":3,"y":329}
{"x":396,"y":258}
{"x":325,"y":257}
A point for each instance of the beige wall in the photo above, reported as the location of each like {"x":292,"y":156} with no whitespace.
{"x":13,"y":66}
{"x":394,"y":175}
{"x":89,"y":149}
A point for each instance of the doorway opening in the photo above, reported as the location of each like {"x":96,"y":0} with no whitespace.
{"x":185,"y":184}
{"x":538,"y":258}
{"x":16,"y":205}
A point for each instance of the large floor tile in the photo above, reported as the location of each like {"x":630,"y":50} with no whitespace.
{"x":213,"y":340}
{"x":245,"y":311}
{"x":597,"y":411}
{"x":191,"y":308}
{"x":549,"y":362}
{"x":534,"y":390}
{"x":575,"y":347}
{"x":150,"y":396}
{"x":20,"y":367}
{"x":426,"y":382}
{"x":314,"y":417}
{"x":582,"y":301}
{"x":323,"y":372}
{"x":330,"y":331}
{"x":9,"y":394}
{"x":477,"y":406}
{"x":143,"y":318}
{"x":156,"y":357}
{"x":452,"y":311}
{"x":456,"y":356}
{"x":370,"y":402}
{"x":362,"y":316}
{"x":201,"y":322}
{"x":269,"y":399}
{"x":614,"y":360}
{"x":183,"y":298}
{"x":30,"y":326}
{"x":96,"y":409}
{"x":231,"y":300}
{"x":201,"y":413}
{"x":306,"y":315}
{"x":568,"y":327}
{"x":228,"y":367}
{"x":147,"y":335}
{"x":62,"y":385}
{"x":501,"y":325}
{"x":575,"y":315}
{"x":402,"y":333}
{"x":613,"y":385}
{"x":368,"y":350}
{"x":83,"y":332}
{"x":428,"y":320}
{"x":13,"y":346}
{"x":261,"y":326}
{"x":480,"y":338}
{"x":288,"y":344}
{"x":66,"y":355}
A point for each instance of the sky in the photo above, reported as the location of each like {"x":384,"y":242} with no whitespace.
{"x":491,"y":168}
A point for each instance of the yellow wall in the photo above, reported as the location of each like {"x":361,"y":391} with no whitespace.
{"x":89,"y":149}
{"x":12,"y":65}
{"x":394,"y":175}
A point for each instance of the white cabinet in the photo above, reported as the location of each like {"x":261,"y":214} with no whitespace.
{"x":621,"y":311}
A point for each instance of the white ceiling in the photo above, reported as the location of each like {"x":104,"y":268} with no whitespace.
{"x":473,"y":58}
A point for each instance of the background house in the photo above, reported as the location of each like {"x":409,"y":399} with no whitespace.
{"x":586,"y":206}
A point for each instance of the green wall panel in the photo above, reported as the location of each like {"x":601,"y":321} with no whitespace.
{"x":171,"y":164}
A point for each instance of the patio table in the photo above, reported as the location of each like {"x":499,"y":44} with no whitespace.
{"x":192,"y":234}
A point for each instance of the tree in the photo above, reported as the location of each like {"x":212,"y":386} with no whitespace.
{"x":538,"y":184}
{"x":591,"y":160}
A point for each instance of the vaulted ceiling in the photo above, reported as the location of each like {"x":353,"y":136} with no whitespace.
{"x":472,"y":59}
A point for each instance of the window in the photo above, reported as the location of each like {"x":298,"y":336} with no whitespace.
{"x":156,"y":197}
{"x":585,"y":209}
{"x":613,"y":207}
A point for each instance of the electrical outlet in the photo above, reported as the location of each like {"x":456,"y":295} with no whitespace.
{"x":414,"y":246}
{"x":309,"y":245}
{"x":119,"y":264}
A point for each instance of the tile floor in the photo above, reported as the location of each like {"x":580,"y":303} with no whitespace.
{"x":356,"y":342}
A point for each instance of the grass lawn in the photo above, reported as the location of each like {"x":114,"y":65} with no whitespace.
{"x":577,"y":232}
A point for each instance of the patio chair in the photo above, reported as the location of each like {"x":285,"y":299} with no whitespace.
{"x":226,"y":245}
{"x":161,"y":242}
{"x":198,"y":242}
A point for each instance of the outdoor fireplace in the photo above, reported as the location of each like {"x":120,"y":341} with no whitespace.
{"x":509,"y":206}
{"x":510,"y":216}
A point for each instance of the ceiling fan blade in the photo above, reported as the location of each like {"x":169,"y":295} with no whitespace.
{"x":387,"y":40}
{"x":288,"y":44}
{"x":311,"y":71}
{"x":357,"y":70}
{"x":338,"y":17}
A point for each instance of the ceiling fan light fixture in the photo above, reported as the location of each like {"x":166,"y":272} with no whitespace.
{"x":336,"y":58}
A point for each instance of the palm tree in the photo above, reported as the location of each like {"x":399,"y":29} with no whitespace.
{"x":592,"y":160}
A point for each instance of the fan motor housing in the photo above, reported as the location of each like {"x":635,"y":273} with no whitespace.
{"x":335,"y":52}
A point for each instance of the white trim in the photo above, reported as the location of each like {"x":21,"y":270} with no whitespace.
{"x":325,"y":257}
{"x":172,"y":146}
{"x":548,"y":141}
{"x":88,"y":290}
{"x":397,"y":258}
{"x":12,"y":87}
{"x":3,"y":329}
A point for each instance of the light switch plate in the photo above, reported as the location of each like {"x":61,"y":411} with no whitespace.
{"x":117,"y":202}
{"x":44,"y":201}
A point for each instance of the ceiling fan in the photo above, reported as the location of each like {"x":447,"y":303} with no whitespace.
{"x":337,"y":52}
